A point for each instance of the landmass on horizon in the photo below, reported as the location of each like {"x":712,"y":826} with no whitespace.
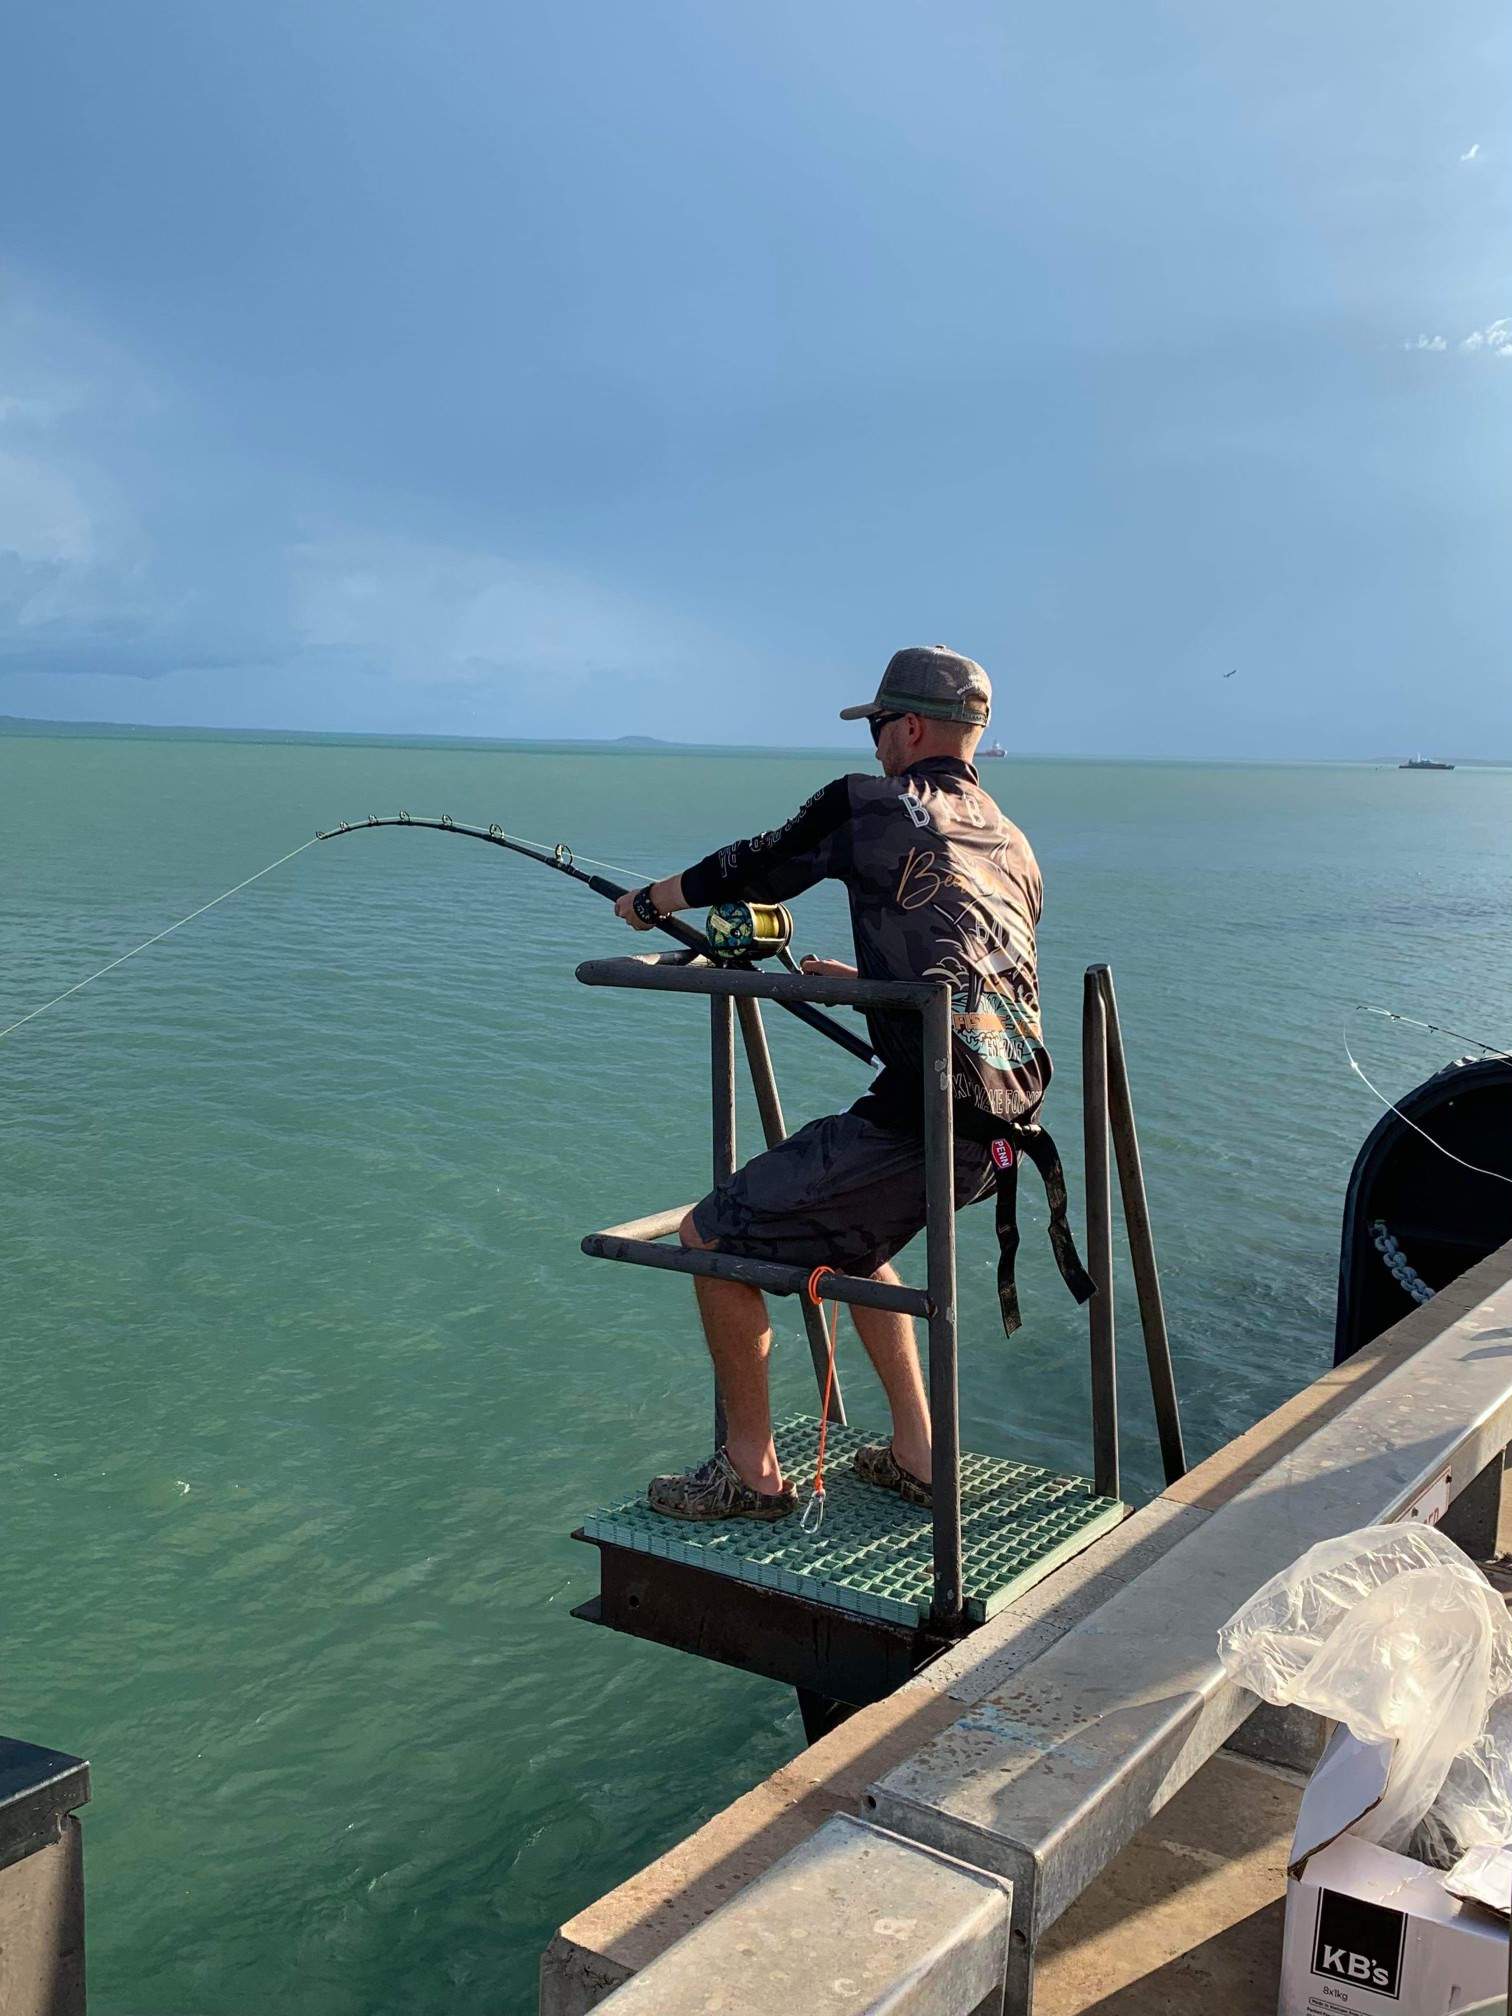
{"x":22,"y":725}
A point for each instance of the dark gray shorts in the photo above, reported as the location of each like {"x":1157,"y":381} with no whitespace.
{"x":843,"y":1191}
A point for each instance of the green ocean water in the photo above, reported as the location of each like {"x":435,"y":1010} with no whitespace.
{"x":305,"y":1380}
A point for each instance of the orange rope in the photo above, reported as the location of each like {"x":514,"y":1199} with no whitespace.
{"x":831,"y":1329}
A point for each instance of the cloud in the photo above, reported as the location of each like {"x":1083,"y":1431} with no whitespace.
{"x":1472,"y":154}
{"x":133,"y":546}
{"x":428,"y":614}
{"x":1496,"y":338}
{"x":80,"y":585}
{"x":44,"y":518}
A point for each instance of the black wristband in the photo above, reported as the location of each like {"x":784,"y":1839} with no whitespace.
{"x":643,"y":907}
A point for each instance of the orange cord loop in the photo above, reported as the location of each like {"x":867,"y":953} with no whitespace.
{"x":831,"y":1328}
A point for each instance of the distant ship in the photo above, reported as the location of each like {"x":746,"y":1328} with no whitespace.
{"x":993,"y":749}
{"x":1424,"y":763}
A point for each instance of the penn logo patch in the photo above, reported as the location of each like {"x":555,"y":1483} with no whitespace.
{"x":1002,"y":1153}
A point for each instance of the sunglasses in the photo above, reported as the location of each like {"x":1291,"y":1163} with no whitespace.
{"x":877,"y":722}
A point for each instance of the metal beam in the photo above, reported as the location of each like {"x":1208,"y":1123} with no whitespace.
{"x":1099,"y":1238}
{"x":773,"y":1277}
{"x":1136,"y":1211}
{"x":774,"y":1129}
{"x":786,"y":1638}
{"x":944,"y":1400}
{"x":671,"y":976}
{"x":722,"y":1107}
{"x":722,"y":1085}
{"x":763,"y":1078}
{"x":854,"y":1922}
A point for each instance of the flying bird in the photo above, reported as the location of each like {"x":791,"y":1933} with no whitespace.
{"x":1229,"y":675}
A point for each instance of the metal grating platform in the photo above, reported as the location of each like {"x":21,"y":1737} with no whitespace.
{"x":871,"y":1556}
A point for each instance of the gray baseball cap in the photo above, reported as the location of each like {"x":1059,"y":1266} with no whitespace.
{"x":929,"y":679}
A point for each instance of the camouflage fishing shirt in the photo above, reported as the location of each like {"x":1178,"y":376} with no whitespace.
{"x":941,"y":886}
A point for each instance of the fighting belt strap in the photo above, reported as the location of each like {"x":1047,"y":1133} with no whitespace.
{"x":1008,"y":1142}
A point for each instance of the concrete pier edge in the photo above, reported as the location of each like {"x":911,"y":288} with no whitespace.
{"x":623,"y":1932}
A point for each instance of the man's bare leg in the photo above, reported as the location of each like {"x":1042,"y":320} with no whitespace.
{"x":739,"y":1337}
{"x":889,"y":1339}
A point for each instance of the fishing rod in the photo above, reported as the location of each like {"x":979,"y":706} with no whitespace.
{"x":562,"y":859}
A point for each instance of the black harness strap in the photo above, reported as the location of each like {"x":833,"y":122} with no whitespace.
{"x":1009,"y":1141}
{"x":1005,"y":1163}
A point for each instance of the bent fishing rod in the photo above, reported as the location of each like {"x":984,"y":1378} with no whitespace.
{"x":562,"y":859}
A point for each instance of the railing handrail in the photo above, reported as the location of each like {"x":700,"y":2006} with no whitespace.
{"x":677,"y":973}
{"x":1110,"y":1139}
{"x":744,"y":988}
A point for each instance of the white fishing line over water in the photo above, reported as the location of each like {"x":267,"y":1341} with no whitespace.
{"x":156,"y":938}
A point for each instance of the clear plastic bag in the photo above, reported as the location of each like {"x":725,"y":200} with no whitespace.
{"x":1474,"y":1805}
{"x":1396,"y":1633}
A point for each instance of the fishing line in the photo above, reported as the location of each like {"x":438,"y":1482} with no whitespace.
{"x":547,"y":846}
{"x":1434,"y":1029}
{"x":1354,"y":1065}
{"x":156,"y":937}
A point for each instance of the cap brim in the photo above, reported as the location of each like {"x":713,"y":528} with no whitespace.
{"x":863,"y":713}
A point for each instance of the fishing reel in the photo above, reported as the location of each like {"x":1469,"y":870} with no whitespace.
{"x":741,"y":933}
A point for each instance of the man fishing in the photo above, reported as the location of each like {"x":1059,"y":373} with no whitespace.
{"x":941,"y":886}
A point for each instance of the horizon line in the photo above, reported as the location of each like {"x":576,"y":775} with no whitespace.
{"x":647,"y":743}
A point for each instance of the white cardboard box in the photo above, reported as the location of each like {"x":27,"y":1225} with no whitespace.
{"x":1370,"y":1933}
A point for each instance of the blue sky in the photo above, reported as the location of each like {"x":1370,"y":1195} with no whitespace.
{"x":659,"y":367}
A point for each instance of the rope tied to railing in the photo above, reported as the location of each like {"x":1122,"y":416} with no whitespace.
{"x":812,"y":1516}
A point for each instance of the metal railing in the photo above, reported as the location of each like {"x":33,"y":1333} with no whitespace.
{"x":735,"y":995}
{"x":739,"y":991}
{"x":1108,"y":1115}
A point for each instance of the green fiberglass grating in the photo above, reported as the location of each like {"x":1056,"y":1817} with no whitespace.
{"x":872,"y":1553}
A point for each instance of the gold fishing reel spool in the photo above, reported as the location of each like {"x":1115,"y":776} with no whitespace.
{"x":740,"y":933}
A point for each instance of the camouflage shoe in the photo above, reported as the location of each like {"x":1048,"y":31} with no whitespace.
{"x":876,"y":1464}
{"x":716,"y":1490}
